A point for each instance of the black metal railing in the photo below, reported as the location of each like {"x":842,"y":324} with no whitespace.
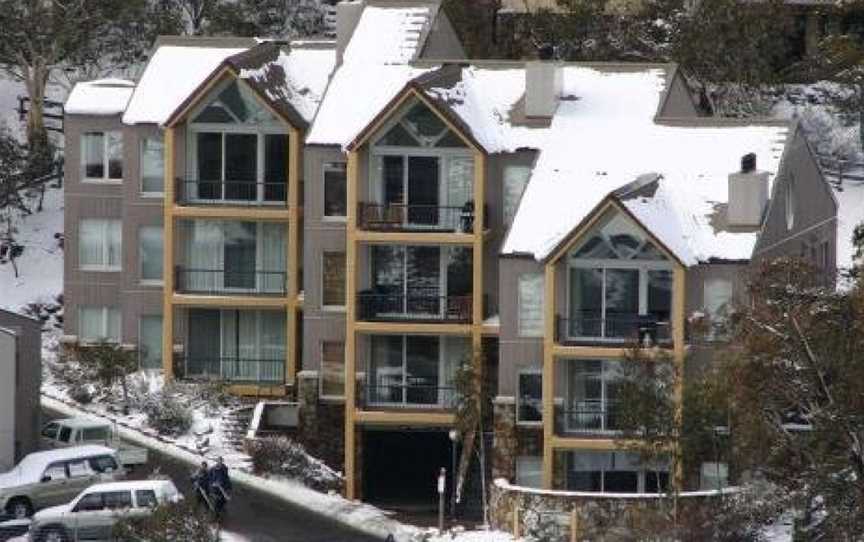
{"x":420,"y":306}
{"x":228,"y":369}
{"x":220,"y":281}
{"x":590,"y":326}
{"x":418,"y":394}
{"x":400,"y":217}
{"x":200,"y":192}
{"x":587,"y":417}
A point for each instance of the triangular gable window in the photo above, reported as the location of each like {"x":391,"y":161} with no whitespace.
{"x":617,"y":238}
{"x":419,"y":126}
{"x":234,"y":104}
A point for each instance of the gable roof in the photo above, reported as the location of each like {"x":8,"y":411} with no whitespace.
{"x":103,"y":97}
{"x":391,"y":31}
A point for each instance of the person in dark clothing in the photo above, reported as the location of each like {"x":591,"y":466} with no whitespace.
{"x":201,"y":483}
{"x":220,"y":487}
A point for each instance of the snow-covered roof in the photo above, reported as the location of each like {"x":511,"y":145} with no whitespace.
{"x":390,"y":33}
{"x":173,"y":73}
{"x":294,"y":79}
{"x":33,"y":465}
{"x":103,"y":97}
{"x":850,"y":213}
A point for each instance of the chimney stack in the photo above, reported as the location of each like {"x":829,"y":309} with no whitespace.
{"x":348,"y":14}
{"x":543,"y":84}
{"x":748,"y":194}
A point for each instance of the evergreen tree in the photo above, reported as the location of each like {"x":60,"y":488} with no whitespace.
{"x":276,"y":19}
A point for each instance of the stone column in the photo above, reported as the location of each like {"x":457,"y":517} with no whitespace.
{"x":506,"y":443}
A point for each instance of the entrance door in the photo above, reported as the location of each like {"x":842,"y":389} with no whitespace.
{"x":240,"y":255}
{"x":204,"y":354}
{"x":421,"y":370}
{"x":423,"y":195}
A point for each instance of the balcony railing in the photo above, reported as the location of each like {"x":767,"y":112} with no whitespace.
{"x":399,"y":217}
{"x":372,"y":306}
{"x":591,"y":327}
{"x":199,"y":192}
{"x":408,"y":396}
{"x":221,"y":282}
{"x":269,"y":371}
{"x":587,"y":418}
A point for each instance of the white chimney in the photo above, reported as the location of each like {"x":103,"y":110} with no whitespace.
{"x":348,"y":14}
{"x":748,"y":194}
{"x":543,"y":84}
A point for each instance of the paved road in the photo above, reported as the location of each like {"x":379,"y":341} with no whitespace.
{"x":255,"y":516}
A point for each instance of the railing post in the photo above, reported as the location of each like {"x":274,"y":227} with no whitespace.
{"x":574,"y":525}
{"x":516,"y":530}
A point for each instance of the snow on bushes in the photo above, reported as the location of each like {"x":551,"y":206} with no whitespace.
{"x":283,"y":456}
{"x":167,"y":412}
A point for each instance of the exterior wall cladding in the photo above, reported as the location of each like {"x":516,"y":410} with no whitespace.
{"x":338,"y":431}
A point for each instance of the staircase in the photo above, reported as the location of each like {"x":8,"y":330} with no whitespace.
{"x":235,"y":423}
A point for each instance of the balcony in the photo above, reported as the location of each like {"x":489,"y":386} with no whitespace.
{"x":417,"y":306}
{"x":416,"y":394}
{"x":226,"y":282}
{"x":587,"y":418}
{"x":241,"y":193}
{"x":417,"y":218}
{"x":590,"y":328}
{"x":235,"y":370}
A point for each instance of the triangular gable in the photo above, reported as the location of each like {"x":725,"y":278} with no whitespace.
{"x":413,"y":90}
{"x":230,"y":68}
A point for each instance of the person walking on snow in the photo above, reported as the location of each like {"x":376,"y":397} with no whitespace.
{"x":201,"y":483}
{"x":220,"y":486}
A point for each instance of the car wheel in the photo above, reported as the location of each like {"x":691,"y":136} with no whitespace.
{"x":20,"y":508}
{"x":53,"y":534}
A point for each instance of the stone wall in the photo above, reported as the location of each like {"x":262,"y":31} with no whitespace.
{"x":550,"y":515}
{"x":322,"y":423}
{"x":512,"y":440}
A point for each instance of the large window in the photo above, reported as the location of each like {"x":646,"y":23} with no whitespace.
{"x":529,"y":471}
{"x":592,"y":396}
{"x":614,"y":472}
{"x":335,"y":185}
{"x":152,"y":166}
{"x":332,"y":369}
{"x":102,"y":156}
{"x":333,"y":278}
{"x":620,"y":287}
{"x":97,"y":324}
{"x":515,"y":181}
{"x":529,"y":402}
{"x":99,"y":244}
{"x":718,"y":304}
{"x":531,"y":305}
{"x":238,"y":151}
{"x":150,"y":342}
{"x":150,"y":253}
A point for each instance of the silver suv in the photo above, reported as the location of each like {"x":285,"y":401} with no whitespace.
{"x":54,"y":477}
{"x":92,"y":515}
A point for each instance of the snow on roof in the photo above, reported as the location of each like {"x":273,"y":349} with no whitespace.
{"x":356,"y":95}
{"x":173,"y":73}
{"x":850,"y":213}
{"x":389,"y":34}
{"x":33,"y":465}
{"x":297,"y":77}
{"x":100,"y":97}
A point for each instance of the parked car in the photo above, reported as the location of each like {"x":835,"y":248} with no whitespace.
{"x":93,"y":513}
{"x":80,"y":431}
{"x":53,"y":477}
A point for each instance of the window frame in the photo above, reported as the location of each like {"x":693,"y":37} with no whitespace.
{"x":141,"y":279}
{"x":141,"y":318}
{"x":105,"y":315}
{"x":106,"y":165}
{"x":521,"y":331}
{"x":141,"y":145}
{"x":321,"y":373}
{"x":537,"y":460}
{"x":106,"y":267}
{"x":325,"y":306}
{"x":330,"y":167}
{"x":519,"y":375}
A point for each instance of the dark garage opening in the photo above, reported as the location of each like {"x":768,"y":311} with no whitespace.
{"x":400,"y":468}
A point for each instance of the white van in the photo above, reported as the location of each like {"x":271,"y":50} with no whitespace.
{"x":80,"y":431}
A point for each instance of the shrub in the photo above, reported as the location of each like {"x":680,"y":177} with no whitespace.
{"x":81,"y":393}
{"x":167,"y":414}
{"x":168,"y":523}
{"x":283,"y":456}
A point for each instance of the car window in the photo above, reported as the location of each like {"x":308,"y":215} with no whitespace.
{"x":145,"y":498}
{"x":79,"y":468}
{"x":90,"y":503}
{"x":115,"y":500}
{"x":91,"y":434}
{"x":102,"y":464}
{"x":55,"y":471}
{"x":65,"y":433}
{"x":50,"y":430}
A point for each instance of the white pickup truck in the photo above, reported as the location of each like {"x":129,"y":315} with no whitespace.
{"x":80,"y":431}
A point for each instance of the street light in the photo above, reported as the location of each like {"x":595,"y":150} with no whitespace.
{"x":454,"y":438}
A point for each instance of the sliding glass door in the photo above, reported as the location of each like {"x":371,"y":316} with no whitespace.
{"x":406,"y":370}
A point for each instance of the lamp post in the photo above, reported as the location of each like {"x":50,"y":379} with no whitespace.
{"x":454,"y":438}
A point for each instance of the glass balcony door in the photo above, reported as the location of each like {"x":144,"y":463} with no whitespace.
{"x":592,"y":396}
{"x":412,"y":184}
{"x":408,"y":280}
{"x":406,"y":371}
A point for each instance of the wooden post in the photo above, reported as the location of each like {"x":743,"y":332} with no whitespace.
{"x":168,"y":257}
{"x":516,"y":530}
{"x":574,"y":525}
{"x":350,"y":332}
{"x":548,"y":380}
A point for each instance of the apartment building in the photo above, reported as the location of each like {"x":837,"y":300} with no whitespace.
{"x":348,"y":223}
{"x":21,"y":378}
